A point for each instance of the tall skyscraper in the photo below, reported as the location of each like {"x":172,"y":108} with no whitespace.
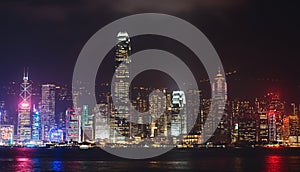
{"x":218,"y":105}
{"x":47,"y":109}
{"x":36,"y":125}
{"x":276,"y":114}
{"x":261,"y":110}
{"x":121,"y":85}
{"x":24,"y":110}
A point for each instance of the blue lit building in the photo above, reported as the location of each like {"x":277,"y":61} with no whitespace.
{"x":35,"y":125}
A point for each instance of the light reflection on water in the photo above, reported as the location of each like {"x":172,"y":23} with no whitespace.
{"x":57,"y":166}
{"x":33,"y":161}
{"x":274,"y":163}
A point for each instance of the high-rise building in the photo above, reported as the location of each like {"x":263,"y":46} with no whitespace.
{"x":101,"y":122}
{"x":47,"y":109}
{"x":276,"y":111}
{"x":6,"y":134}
{"x":72,"y":126}
{"x":157,"y":110}
{"x":24,"y":110}
{"x":291,"y":129}
{"x":194,"y":121}
{"x":35,"y":132}
{"x":4,"y":119}
{"x":179,"y":118}
{"x":86,"y":124}
{"x":243,"y":122}
{"x":222,"y":133}
{"x":261,"y":110}
{"x":121,"y":84}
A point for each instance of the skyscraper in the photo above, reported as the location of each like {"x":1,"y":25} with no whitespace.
{"x":36,"y":125}
{"x":72,"y":125}
{"x":218,"y":105}
{"x":121,"y":85}
{"x":157,"y":110}
{"x":47,"y":109}
{"x":179,"y":118}
{"x":24,"y":109}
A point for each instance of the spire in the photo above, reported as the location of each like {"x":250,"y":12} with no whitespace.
{"x":25,"y":74}
{"x":219,"y":72}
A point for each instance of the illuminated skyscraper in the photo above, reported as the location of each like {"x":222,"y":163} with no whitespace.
{"x":72,"y":126}
{"x":194,"y":120}
{"x":24,"y":109}
{"x":36,"y":125}
{"x":272,"y":126}
{"x":218,"y":104}
{"x":261,"y":110}
{"x":121,"y":85}
{"x":179,"y":118}
{"x":291,"y":129}
{"x":157,"y":110}
{"x":276,"y":109}
{"x":47,"y":109}
{"x":86,"y":124}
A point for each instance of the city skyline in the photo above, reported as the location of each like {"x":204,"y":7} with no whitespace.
{"x":256,"y":38}
{"x":266,"y":108}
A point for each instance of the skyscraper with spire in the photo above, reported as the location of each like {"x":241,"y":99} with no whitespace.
{"x":121,"y":84}
{"x":218,"y":128}
{"x":24,"y":109}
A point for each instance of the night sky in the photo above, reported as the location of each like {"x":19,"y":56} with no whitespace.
{"x":257,"y":38}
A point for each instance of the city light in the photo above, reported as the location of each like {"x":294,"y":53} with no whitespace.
{"x":25,"y":105}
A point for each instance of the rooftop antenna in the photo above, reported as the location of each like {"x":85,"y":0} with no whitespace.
{"x":25,"y":75}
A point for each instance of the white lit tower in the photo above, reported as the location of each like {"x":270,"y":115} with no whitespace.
{"x":24,"y":110}
{"x":121,"y":85}
{"x":179,"y":118}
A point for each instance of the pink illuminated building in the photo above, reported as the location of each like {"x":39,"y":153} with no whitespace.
{"x":24,"y":110}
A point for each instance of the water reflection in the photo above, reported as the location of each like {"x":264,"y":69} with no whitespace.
{"x":274,"y":163}
{"x":23,"y":164}
{"x":57,"y":166}
{"x":175,"y":165}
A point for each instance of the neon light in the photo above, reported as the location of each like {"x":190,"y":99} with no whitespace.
{"x":25,"y":105}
